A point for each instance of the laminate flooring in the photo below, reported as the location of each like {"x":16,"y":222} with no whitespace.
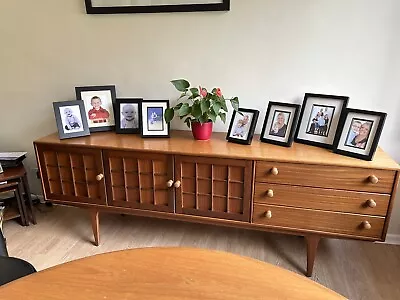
{"x":355,"y":269}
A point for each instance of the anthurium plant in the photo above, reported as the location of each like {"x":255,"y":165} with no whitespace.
{"x":198,"y":104}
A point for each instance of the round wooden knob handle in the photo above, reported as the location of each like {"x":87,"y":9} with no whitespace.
{"x":177,"y":184}
{"x":170,"y":183}
{"x":268,"y":214}
{"x":366,"y":225}
{"x":274,"y":171}
{"x":373,"y":179}
{"x":100,"y":177}
{"x":270,"y":193}
{"x":371,"y":203}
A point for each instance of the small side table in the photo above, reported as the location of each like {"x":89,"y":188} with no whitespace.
{"x":11,"y":212}
{"x":19,"y":175}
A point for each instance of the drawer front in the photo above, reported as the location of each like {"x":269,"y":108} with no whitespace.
{"x":355,"y":179}
{"x":323,"y":199}
{"x":323,"y":221}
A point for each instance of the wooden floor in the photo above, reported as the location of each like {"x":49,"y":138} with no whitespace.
{"x":357,"y":270}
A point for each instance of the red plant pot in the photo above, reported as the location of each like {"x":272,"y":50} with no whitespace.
{"x":202,"y":131}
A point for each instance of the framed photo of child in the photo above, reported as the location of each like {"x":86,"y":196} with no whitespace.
{"x":359,"y":133}
{"x":71,"y":119}
{"x":127,"y":115}
{"x":319,"y":119}
{"x":152,"y":118}
{"x":280,"y":123}
{"x":242,"y":126}
{"x":99,"y":103}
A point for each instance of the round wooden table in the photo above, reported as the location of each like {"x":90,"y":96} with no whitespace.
{"x":165,"y":273}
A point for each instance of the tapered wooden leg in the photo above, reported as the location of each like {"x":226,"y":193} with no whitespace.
{"x":312,"y":245}
{"x":94,"y":214}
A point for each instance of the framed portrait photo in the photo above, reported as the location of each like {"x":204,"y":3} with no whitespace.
{"x":71,"y":119}
{"x":99,"y":104}
{"x":242,"y":126}
{"x":280,"y":123}
{"x":359,"y":134}
{"x":319,"y":119}
{"x":127,"y":116}
{"x":152,"y":116}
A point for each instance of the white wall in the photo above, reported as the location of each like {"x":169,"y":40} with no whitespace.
{"x":261,"y":50}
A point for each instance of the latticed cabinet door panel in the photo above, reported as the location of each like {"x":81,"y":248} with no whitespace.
{"x":139,"y":180}
{"x":69,"y":174}
{"x":214,"y":187}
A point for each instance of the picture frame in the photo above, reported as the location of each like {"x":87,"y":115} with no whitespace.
{"x":153,"y":121}
{"x":280,"y":123}
{"x":242,"y":126}
{"x":359,"y":134}
{"x":127,"y":115}
{"x":121,"y":7}
{"x":319,"y":119}
{"x":71,"y":119}
{"x":99,"y":103}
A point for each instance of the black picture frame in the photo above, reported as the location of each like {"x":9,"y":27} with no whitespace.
{"x":252,"y":127}
{"x":144,"y":120}
{"x":111,"y":88}
{"x":117,"y":111}
{"x":62,"y":123}
{"x":223,"y":6}
{"x":292,"y":128}
{"x":369,"y":156}
{"x":307,"y":97}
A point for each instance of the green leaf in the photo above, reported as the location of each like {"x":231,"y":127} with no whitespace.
{"x":223,"y":105}
{"x":212,"y":116}
{"x":204,"y":118}
{"x":195,"y":92}
{"x":216,"y":107}
{"x":222,"y":116}
{"x":181,"y":85}
{"x":235,"y":103}
{"x":182,"y":95}
{"x":188,"y":121}
{"x":169,"y":114}
{"x":184,"y":110}
{"x":178,"y":106}
{"x":196,"y":110}
{"x":204,"y":105}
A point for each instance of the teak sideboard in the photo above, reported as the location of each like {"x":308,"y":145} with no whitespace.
{"x":302,"y":190}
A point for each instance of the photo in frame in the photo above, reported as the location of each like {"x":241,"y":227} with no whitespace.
{"x":242,"y":126}
{"x":154,"y":6}
{"x":71,"y":119}
{"x":359,"y":133}
{"x":152,"y":115}
{"x":280,"y":123}
{"x":99,"y":104}
{"x":319,"y":119}
{"x":127,"y":115}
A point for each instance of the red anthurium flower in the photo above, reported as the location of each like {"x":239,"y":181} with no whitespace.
{"x":203,"y":92}
{"x":218,"y":92}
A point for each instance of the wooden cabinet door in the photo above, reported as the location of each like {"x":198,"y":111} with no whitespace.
{"x":69,"y":174}
{"x":214,"y":187}
{"x":139,"y":180}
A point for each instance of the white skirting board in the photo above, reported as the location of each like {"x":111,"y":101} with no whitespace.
{"x":392,"y":239}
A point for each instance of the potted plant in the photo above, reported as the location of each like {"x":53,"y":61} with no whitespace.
{"x":199,"y":108}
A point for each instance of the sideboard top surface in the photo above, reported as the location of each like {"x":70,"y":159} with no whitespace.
{"x":182,"y":142}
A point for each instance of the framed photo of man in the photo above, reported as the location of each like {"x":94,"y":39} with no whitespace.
{"x":319,"y":119}
{"x":99,"y":104}
{"x":359,"y":133}
{"x":280,"y":123}
{"x":242,"y":126}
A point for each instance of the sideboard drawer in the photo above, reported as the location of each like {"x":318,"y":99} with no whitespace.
{"x":356,"y":179}
{"x":317,"y":220}
{"x":323,"y":199}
